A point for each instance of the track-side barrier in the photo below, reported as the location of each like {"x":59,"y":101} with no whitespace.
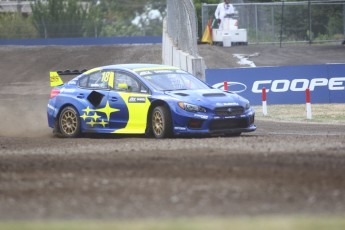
{"x":308,"y":104}
{"x":284,"y":84}
{"x":264,"y":102}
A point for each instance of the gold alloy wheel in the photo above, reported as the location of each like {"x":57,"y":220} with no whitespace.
{"x":69,"y":122}
{"x":157,"y":123}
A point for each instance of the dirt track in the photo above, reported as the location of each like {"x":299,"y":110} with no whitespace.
{"x":282,"y":168}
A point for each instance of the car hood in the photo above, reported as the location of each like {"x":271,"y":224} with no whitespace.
{"x":209,"y":98}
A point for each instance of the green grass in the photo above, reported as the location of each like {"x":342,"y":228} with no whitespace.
{"x":321,"y":113}
{"x":239,"y":223}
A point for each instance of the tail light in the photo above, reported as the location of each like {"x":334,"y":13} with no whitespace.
{"x":54,"y":93}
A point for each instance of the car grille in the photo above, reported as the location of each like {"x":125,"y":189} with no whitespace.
{"x":228,"y":124}
{"x":229,"y":111}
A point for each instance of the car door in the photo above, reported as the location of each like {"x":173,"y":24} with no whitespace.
{"x":130,"y":97}
{"x":93,"y":93}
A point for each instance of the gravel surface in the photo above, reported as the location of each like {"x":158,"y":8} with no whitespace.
{"x":282,"y":168}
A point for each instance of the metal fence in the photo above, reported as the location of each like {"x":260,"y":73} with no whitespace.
{"x":17,"y":21}
{"x":182,"y":25}
{"x":304,"y":21}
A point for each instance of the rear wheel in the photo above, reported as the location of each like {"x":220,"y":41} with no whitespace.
{"x":69,"y":122}
{"x":161,"y":122}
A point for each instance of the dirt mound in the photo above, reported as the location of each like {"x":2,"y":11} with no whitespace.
{"x":33,"y":63}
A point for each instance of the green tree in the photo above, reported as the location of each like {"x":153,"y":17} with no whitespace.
{"x":16,"y":26}
{"x":57,"y":18}
{"x":130,"y":18}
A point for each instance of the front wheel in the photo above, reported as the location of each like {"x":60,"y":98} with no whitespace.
{"x":161,"y":122}
{"x":69,"y":122}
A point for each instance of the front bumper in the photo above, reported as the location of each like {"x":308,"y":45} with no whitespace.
{"x":190,"y":123}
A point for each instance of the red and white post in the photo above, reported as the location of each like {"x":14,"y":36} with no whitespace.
{"x":308,"y":104}
{"x":226,"y":87}
{"x":264,"y":103}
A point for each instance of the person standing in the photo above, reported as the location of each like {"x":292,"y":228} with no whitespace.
{"x":223,"y":9}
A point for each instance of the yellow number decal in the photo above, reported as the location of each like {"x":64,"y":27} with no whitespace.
{"x":109,"y":78}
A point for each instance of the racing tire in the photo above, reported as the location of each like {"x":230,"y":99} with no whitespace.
{"x":69,"y":122}
{"x":161,"y":122}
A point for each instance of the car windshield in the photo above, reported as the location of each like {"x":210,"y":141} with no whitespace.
{"x":173,"y":80}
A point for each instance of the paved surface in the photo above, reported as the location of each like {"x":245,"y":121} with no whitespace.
{"x":282,"y":168}
{"x":272,"y":55}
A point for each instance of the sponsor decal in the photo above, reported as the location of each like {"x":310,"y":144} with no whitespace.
{"x":235,"y":87}
{"x":136,"y":99}
{"x":180,"y":128}
{"x":64,"y":90}
{"x":227,"y":104}
{"x":163,"y":71}
{"x":51,"y":107}
{"x":285,"y":85}
{"x":230,"y":103}
{"x":143,"y":73}
{"x":201,"y":116}
{"x":72,"y":82}
{"x":92,"y":117}
{"x":295,"y":85}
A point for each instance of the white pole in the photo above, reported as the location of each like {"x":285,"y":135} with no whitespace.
{"x":308,"y":104}
{"x":264,"y":102}
{"x":309,"y":115}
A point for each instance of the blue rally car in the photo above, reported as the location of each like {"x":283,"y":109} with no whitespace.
{"x":150,"y":99}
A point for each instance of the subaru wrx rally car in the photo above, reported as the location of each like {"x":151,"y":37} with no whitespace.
{"x":150,"y":99}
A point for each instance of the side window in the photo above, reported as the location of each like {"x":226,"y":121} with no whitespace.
{"x":83,"y":81}
{"x":94,"y":80}
{"x":124,"y":82}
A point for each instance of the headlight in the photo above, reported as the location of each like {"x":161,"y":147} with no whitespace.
{"x":247,"y":105}
{"x":191,"y":108}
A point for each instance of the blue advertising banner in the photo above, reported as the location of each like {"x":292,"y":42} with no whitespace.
{"x":83,"y":41}
{"x":336,"y":83}
{"x":283,"y":84}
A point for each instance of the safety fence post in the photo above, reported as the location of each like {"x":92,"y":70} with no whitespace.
{"x":264,"y":103}
{"x":226,"y":87}
{"x":308,"y":104}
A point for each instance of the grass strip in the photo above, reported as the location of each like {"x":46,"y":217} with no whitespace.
{"x":321,"y":113}
{"x":205,"y":223}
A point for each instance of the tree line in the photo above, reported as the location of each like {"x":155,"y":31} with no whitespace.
{"x":104,"y":18}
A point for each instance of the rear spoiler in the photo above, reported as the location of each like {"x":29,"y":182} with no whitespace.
{"x":55,"y":79}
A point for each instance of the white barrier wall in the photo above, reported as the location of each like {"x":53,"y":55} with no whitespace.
{"x":172,"y":55}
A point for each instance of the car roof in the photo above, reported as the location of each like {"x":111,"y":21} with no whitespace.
{"x":138,"y":66}
{"x":135,"y":67}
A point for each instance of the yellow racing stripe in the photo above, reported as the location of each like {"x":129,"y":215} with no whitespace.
{"x":137,"y":112}
{"x":155,"y":68}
